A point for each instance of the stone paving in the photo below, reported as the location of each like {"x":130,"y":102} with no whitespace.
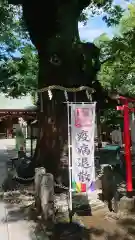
{"x":13,"y":226}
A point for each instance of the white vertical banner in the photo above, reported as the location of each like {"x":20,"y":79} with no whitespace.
{"x":82,"y":138}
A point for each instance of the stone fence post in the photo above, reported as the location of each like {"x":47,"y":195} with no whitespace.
{"x":44,"y":194}
{"x":109,"y":188}
{"x":39,"y":172}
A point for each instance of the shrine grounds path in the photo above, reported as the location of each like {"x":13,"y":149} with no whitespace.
{"x":13,"y":225}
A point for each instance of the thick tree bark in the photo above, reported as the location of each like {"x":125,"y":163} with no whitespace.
{"x":53,"y":135}
{"x":99,"y":129}
{"x":54,"y":39}
{"x":63,"y":60}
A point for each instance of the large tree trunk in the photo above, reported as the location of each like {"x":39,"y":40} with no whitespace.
{"x":54,"y":38}
{"x":54,"y":32}
{"x":52,"y":136}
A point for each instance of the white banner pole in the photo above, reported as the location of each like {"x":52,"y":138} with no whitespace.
{"x":69,"y":158}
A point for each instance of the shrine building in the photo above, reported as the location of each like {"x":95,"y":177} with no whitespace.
{"x":11,"y":109}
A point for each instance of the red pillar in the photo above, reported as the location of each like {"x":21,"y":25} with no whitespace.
{"x":127,"y":149}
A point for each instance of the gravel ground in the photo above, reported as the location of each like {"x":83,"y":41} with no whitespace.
{"x":96,"y":223}
{"x":100,"y":226}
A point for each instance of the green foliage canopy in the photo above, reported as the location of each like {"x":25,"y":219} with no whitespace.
{"x":18,"y":75}
{"x":118,"y":56}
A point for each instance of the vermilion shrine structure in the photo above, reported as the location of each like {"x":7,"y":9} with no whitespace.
{"x":11,"y":110}
{"x":126,"y":111}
